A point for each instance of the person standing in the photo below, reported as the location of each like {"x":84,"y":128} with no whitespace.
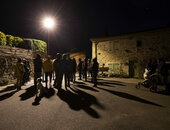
{"x":89,"y":68}
{"x":80,"y":68}
{"x":95,"y":68}
{"x":65,"y":68}
{"x":74,"y":69}
{"x":37,"y":68}
{"x":48,"y":70}
{"x":27,"y":71}
{"x":85,"y":69}
{"x":163,"y":71}
{"x":58,"y":72}
{"x":19,"y":73}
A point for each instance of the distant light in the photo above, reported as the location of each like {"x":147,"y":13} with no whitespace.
{"x":48,"y":23}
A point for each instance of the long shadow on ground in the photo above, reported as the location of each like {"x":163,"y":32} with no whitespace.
{"x":86,"y":87}
{"x":7,"y":95}
{"x":47,"y":93}
{"x":78,"y":100}
{"x":77,"y":82}
{"x":108,"y":83}
{"x":9,"y":88}
{"x":30,"y":92}
{"x":129,"y":96}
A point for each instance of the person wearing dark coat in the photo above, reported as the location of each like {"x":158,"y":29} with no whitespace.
{"x":163,"y":71}
{"x":74,"y":65}
{"x":80,"y":68}
{"x":89,"y":68}
{"x":37,"y":68}
{"x":58,"y":72}
{"x":95,"y":68}
{"x":27,"y":71}
{"x":85,"y":69}
{"x":66,"y":69}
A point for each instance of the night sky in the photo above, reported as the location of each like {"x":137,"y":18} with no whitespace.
{"x":80,"y":20}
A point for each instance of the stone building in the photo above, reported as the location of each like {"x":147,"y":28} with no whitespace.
{"x":128,"y":54}
{"x":78,"y":55}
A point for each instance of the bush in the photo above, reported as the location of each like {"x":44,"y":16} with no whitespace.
{"x":25,"y":44}
{"x":9,"y":40}
{"x":2,"y":38}
{"x":16,"y":41}
{"x":39,"y":45}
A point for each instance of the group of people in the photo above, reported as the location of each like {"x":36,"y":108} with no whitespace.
{"x":63,"y":66}
{"x":160,"y":67}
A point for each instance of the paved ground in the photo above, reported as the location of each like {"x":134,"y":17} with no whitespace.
{"x":114,"y":104}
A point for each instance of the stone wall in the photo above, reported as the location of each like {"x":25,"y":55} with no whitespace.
{"x":8,"y":58}
{"x":141,"y":46}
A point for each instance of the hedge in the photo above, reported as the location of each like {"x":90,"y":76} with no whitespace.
{"x":39,"y":45}
{"x":13,"y":41}
{"x":9,"y":40}
{"x":2,"y":38}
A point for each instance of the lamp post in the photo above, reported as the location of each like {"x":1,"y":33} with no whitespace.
{"x":49,"y":24}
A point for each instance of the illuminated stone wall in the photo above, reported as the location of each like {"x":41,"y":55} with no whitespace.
{"x":140,"y":46}
{"x":8,"y":59}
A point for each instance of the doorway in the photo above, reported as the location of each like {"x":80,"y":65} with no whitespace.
{"x":133,"y":69}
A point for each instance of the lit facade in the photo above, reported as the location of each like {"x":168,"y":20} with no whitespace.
{"x":128,"y":54}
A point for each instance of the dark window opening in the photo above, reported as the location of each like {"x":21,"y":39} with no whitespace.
{"x":138,"y":43}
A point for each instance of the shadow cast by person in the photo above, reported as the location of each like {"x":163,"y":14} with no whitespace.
{"x":47,"y":93}
{"x":164,"y":92}
{"x":78,"y":100}
{"x":77,"y":82}
{"x":114,"y":81}
{"x":30,"y":92}
{"x":86,"y":87}
{"x":8,"y":88}
{"x":130,"y":97}
{"x":108,"y":83}
{"x":7,"y":95}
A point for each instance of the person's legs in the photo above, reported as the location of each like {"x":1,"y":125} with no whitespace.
{"x":74,"y":77}
{"x":68,"y":79}
{"x":65,"y":80}
{"x":80,"y":75}
{"x":165,"y":82}
{"x":59,"y":81}
{"x":85,"y":75}
{"x":46,"y":78}
{"x":50,"y":75}
{"x":95,"y":79}
{"x":35,"y":78}
{"x":55,"y":80}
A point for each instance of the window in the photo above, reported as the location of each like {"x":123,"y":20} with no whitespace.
{"x":138,"y":43}
{"x":113,"y":45}
{"x":113,"y":66}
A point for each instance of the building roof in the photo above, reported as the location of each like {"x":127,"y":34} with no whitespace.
{"x":126,"y":35}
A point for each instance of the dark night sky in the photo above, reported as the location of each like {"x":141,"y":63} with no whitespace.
{"x":80,"y":20}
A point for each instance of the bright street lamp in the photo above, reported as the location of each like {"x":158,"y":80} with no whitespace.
{"x":48,"y":23}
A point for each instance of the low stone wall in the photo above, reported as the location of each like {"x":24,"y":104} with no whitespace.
{"x":8,"y":59}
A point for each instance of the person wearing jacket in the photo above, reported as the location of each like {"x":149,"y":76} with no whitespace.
{"x":19,"y":73}
{"x":48,"y":70}
{"x":58,"y":72}
{"x":37,"y":68}
{"x":95,"y":69}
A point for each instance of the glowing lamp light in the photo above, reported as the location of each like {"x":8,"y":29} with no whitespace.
{"x":48,"y":23}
